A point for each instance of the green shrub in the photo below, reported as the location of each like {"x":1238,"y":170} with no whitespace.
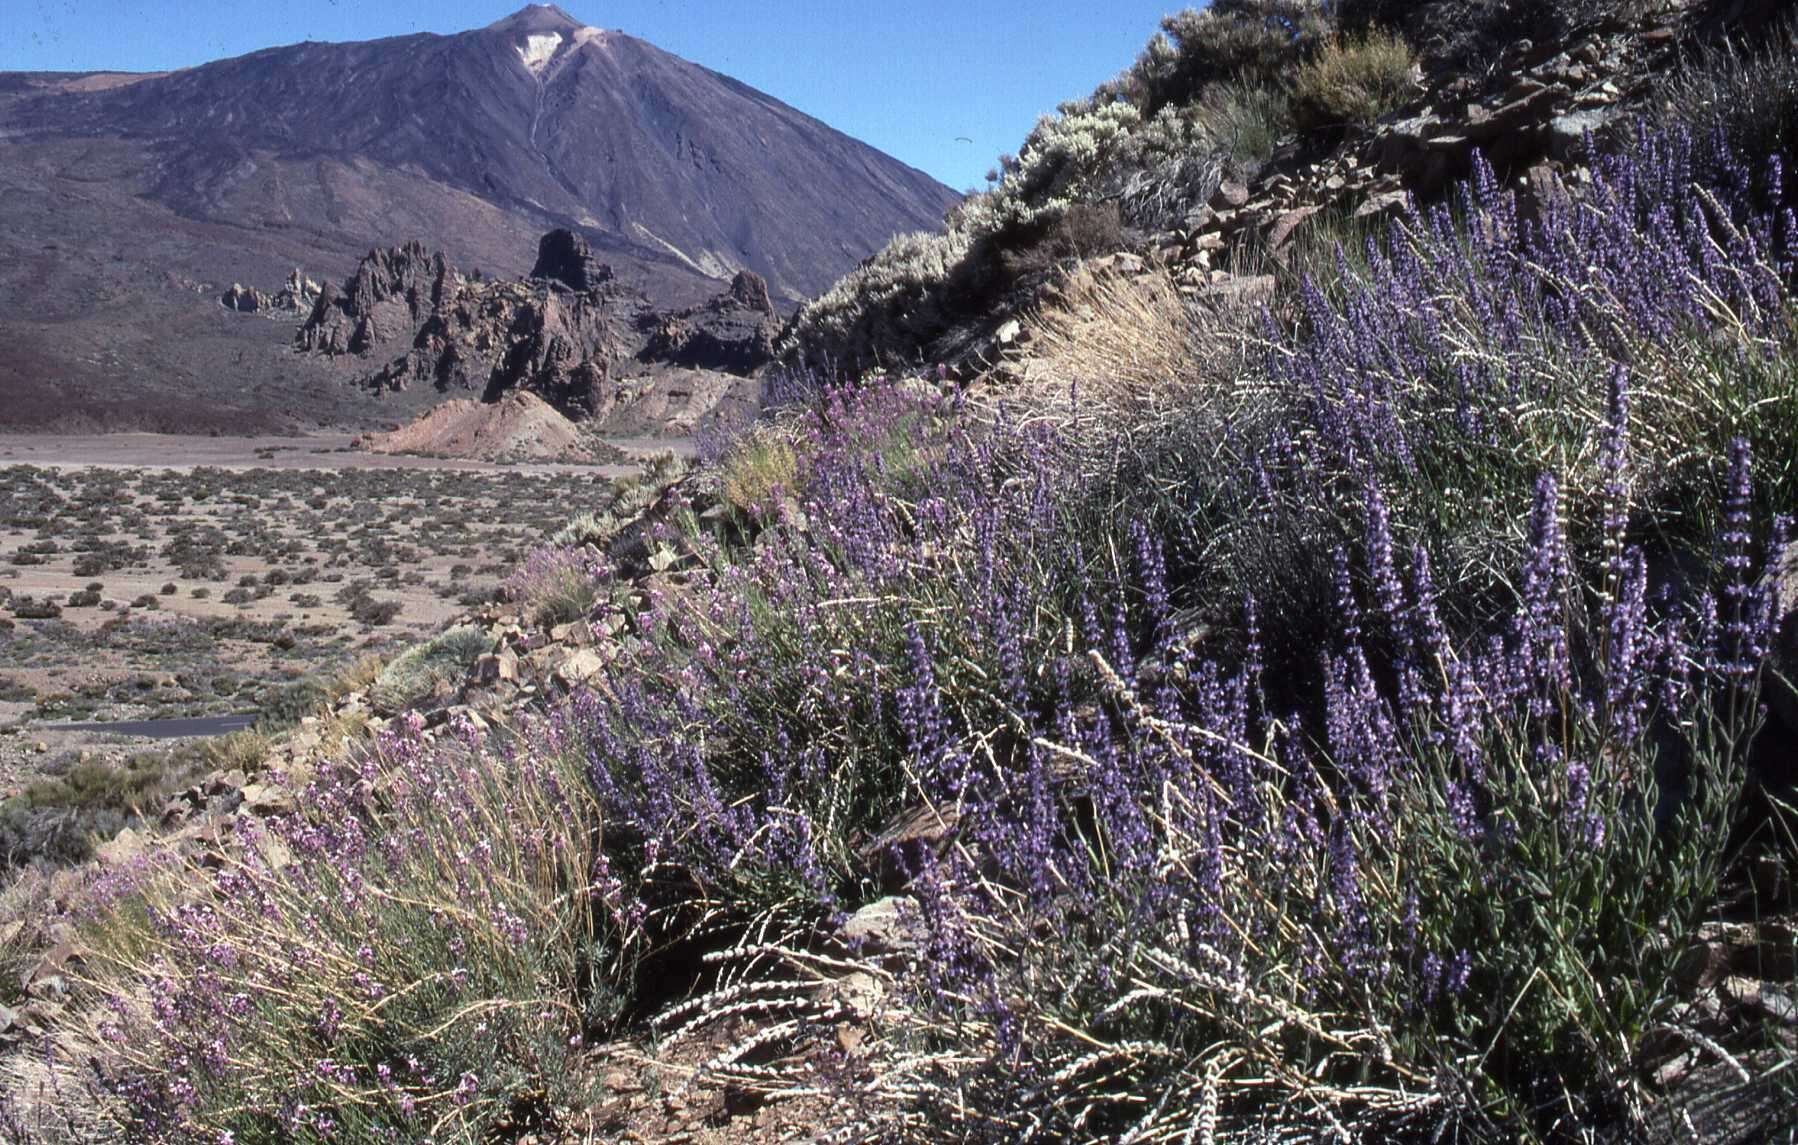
{"x":242,"y":751}
{"x":373,"y":613}
{"x":1352,"y":83}
{"x":1247,"y":121}
{"x":760,"y":467}
{"x":416,"y":674}
{"x":892,"y":305}
{"x":1246,"y":41}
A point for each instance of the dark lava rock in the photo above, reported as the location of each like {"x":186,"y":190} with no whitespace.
{"x":571,"y":334}
{"x":565,"y":257}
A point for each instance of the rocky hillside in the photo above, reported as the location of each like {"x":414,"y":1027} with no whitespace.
{"x":127,"y":200}
{"x":1212,"y":158}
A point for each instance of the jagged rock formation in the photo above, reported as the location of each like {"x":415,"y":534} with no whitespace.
{"x":572,"y":334}
{"x":296,"y":298}
{"x":565,"y":257}
{"x":308,"y":155}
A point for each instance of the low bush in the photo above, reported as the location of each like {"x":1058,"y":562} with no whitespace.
{"x":57,"y":820}
{"x":373,"y":613}
{"x":760,"y":467}
{"x":1351,"y":83}
{"x":1241,"y":41}
{"x":419,"y":672}
{"x":1472,"y":35}
{"x":1081,"y":231}
{"x":241,"y":751}
{"x":1247,"y":121}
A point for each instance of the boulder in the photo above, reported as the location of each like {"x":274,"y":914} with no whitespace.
{"x":880,"y":928}
{"x":1567,"y":133}
{"x":1280,"y":233}
{"x":1230,"y":194}
{"x":578,"y":667}
{"x":499,"y":667}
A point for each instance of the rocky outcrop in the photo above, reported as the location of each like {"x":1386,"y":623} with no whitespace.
{"x":1532,"y":118}
{"x":592,"y":347}
{"x":565,"y":257}
{"x":390,"y":290}
{"x":297,"y":297}
{"x":734,"y":332}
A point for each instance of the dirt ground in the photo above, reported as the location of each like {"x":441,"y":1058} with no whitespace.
{"x":146,"y":576}
{"x":313,"y":451}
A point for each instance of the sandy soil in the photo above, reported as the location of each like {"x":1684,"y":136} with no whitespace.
{"x":313,"y":451}
{"x":228,"y":568}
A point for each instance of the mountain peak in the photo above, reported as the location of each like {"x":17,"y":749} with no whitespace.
{"x":540,"y":19}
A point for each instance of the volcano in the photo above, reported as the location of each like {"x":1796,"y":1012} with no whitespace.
{"x":128,"y":201}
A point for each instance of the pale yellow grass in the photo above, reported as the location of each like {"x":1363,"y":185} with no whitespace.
{"x":1104,"y":336}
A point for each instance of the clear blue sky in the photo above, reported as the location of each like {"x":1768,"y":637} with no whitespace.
{"x":913,"y":78}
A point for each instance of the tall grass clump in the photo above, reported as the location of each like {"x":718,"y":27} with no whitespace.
{"x":1748,"y":95}
{"x":759,"y":468}
{"x":410,"y":956}
{"x":558,"y":584}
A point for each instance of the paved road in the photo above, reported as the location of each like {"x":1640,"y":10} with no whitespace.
{"x":165,"y":729}
{"x":318,"y":451}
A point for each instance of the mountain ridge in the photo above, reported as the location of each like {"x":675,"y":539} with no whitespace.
{"x":311,"y":154}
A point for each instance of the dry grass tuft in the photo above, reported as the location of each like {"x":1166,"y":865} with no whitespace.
{"x":1117,"y":339}
{"x":1352,"y":83}
{"x":761,"y":466}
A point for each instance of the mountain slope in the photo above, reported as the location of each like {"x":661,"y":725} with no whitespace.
{"x":477,"y":142}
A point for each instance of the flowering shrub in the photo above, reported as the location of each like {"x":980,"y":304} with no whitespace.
{"x":409,"y":957}
{"x":1472,"y":351}
{"x":1358,"y":755}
